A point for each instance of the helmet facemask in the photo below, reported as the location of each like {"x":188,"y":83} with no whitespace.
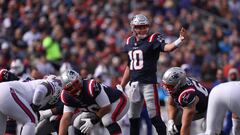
{"x":72,"y":82}
{"x":74,"y":88}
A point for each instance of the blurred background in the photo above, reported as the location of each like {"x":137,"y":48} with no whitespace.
{"x":40,"y":37}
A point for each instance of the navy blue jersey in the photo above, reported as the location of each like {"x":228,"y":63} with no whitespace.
{"x":86,"y":100}
{"x":187,"y":95}
{"x":143,"y":56}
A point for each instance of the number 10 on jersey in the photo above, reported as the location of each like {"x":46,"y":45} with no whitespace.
{"x":136,"y":59}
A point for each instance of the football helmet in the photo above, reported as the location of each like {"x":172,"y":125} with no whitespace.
{"x":140,"y":26}
{"x":72,"y":82}
{"x":173,"y":79}
{"x":57,"y":85}
{"x":65,"y":66}
{"x":17,"y":67}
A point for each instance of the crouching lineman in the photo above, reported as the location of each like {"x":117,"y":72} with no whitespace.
{"x":98,"y":103}
{"x":22,"y":100}
{"x":188,"y":94}
{"x":223,"y":97}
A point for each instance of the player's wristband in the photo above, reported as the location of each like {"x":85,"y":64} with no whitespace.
{"x":177,"y":42}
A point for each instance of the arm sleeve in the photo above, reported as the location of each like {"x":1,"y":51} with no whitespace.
{"x":102,"y":99}
{"x":40,"y":92}
{"x":68,"y":109}
{"x":158,"y":42}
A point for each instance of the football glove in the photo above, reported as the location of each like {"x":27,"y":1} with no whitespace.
{"x":85,"y":128}
{"x":89,"y":122}
{"x":45,"y":114}
{"x":119,"y":87}
{"x":171,"y":127}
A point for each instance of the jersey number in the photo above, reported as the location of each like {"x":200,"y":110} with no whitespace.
{"x":136,"y":57}
{"x":200,"y":88}
{"x":91,"y":108}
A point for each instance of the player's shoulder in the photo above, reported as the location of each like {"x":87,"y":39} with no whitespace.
{"x":154,"y":36}
{"x":130,"y":40}
{"x":93,"y":88}
{"x":66,"y":98}
{"x":187,"y":96}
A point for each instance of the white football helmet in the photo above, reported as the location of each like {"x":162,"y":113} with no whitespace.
{"x":17,"y":67}
{"x":173,"y":79}
{"x":65,"y":66}
{"x":72,"y":81}
{"x":140,"y":26}
{"x":57,"y":85}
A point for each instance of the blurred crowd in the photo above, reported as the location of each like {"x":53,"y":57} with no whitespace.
{"x":88,"y":35}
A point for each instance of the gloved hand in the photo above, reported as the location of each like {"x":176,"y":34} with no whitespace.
{"x":119,"y":87}
{"x":45,"y":114}
{"x":85,"y":128}
{"x":89,"y":122}
{"x":171,"y":128}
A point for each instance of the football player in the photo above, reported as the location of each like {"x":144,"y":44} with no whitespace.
{"x":5,"y":76}
{"x":188,"y":94}
{"x":22,"y":100}
{"x":143,"y":50}
{"x":97,"y":102}
{"x":218,"y":107}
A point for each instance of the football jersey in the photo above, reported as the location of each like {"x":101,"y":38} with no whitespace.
{"x":143,"y":56}
{"x":28,"y":89}
{"x":86,"y":100}
{"x":187,"y":95}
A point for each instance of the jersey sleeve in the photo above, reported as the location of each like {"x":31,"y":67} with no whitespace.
{"x":40,"y":93}
{"x":187,"y":97}
{"x":102,"y":99}
{"x":158,"y":41}
{"x":67,"y":99}
{"x":94,"y":88}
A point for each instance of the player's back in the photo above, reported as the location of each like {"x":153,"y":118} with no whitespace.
{"x":226,"y":90}
{"x":25,"y":89}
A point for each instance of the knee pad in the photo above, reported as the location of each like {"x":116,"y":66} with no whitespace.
{"x":159,"y":125}
{"x":114,"y":128}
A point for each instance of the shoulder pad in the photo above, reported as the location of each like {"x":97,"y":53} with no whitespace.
{"x":91,"y":86}
{"x":49,"y":88}
{"x":152,"y":37}
{"x":65,"y":97}
{"x":130,"y":39}
{"x":187,"y":97}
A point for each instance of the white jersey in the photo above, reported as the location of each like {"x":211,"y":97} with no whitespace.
{"x":222,"y":98}
{"x":16,"y":98}
{"x":27,"y":90}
